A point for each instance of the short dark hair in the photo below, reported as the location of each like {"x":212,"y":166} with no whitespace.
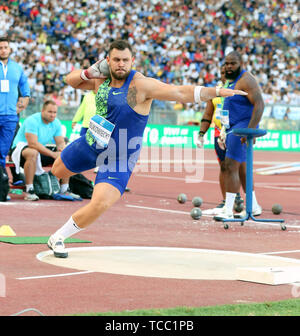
{"x":48,"y":102}
{"x":4,"y":39}
{"x":236,"y":54}
{"x":120,"y":45}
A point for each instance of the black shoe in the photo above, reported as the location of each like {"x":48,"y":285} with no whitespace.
{"x":221,"y":205}
{"x":238,"y":199}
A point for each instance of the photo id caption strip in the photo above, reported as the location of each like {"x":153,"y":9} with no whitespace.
{"x":140,"y":326}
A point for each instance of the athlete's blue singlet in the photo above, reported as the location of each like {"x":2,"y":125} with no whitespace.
{"x":117,"y":161}
{"x":240,"y":113}
{"x":239,"y":107}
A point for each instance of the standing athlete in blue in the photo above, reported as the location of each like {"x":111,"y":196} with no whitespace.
{"x":244,"y":112}
{"x":14,"y":97}
{"x":114,"y":138}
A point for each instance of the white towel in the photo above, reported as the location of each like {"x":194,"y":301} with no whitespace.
{"x":16,"y":157}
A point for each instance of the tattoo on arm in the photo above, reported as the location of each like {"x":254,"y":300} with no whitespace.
{"x":131,"y":97}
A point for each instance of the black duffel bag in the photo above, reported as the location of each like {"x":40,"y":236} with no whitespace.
{"x":82,"y":186}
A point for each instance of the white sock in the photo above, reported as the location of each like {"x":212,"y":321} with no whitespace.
{"x":64,"y":187}
{"x":28,"y":187}
{"x":254,"y":201}
{"x":68,"y":229}
{"x":229,"y":201}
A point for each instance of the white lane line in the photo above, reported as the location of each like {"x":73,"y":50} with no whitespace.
{"x":293,"y":187}
{"x":158,"y":209}
{"x":164,"y":177}
{"x":281,"y":252}
{"x":26,"y":205}
{"x":143,"y":160}
{"x":54,"y":275}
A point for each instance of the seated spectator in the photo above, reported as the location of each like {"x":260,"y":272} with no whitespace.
{"x":29,"y":149}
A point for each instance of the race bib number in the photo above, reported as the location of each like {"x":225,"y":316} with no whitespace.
{"x":101,"y":130}
{"x":225,"y":118}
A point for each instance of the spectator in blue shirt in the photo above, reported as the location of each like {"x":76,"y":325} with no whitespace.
{"x":30,"y":150}
{"x":14,"y":97}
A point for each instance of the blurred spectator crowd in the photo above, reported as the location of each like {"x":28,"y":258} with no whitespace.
{"x":177,"y":41}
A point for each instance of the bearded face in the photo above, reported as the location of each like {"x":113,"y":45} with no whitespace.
{"x":232,"y":74}
{"x":232,"y":66}
{"x":4,"y":51}
{"x":120,"y":74}
{"x":120,"y":63}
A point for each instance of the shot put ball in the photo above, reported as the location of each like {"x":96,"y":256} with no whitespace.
{"x":104,"y":68}
{"x":276,"y":209}
{"x":197,"y":201}
{"x":182,"y":198}
{"x":239,"y":207}
{"x":196,"y":213}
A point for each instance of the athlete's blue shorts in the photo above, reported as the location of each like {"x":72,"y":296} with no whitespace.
{"x":79,"y":156}
{"x":234,"y":148}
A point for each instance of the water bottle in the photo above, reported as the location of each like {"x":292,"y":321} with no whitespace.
{"x":225,"y":118}
{"x":218,"y":111}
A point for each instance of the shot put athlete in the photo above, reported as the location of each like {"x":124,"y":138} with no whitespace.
{"x":114,"y":138}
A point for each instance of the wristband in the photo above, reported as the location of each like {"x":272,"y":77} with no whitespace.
{"x":83,"y":75}
{"x":218,"y":91}
{"x":201,"y":133}
{"x":205,"y":120}
{"x":197,"y":93}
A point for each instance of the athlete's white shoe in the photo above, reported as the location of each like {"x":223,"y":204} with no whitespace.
{"x":56,"y":244}
{"x":255,"y":212}
{"x":215,"y":211}
{"x":31,"y":196}
{"x":224,"y":214}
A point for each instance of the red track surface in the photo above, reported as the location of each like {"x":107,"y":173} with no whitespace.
{"x":127,"y":226}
